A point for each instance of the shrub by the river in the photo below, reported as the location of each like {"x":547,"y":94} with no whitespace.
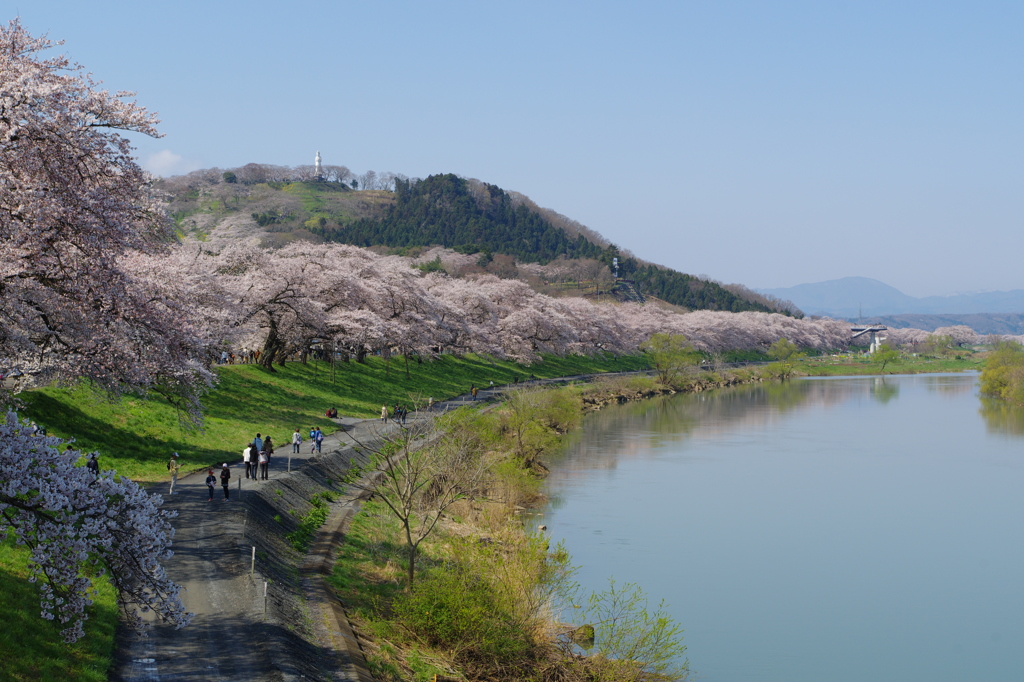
{"x":1003,"y":376}
{"x":459,"y":613}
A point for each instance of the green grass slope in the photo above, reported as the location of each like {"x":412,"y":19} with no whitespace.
{"x":32,"y":647}
{"x":137,"y":435}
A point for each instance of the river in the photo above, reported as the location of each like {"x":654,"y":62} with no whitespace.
{"x":826,"y":529}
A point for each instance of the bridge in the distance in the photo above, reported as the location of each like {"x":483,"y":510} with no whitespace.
{"x":874,"y":330}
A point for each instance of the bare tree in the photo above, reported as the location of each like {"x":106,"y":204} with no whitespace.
{"x":337,"y":173}
{"x":369,"y":180}
{"x":419,"y":481}
{"x":278,"y":173}
{"x":252,"y":173}
{"x":386,"y":181}
{"x":305,"y":173}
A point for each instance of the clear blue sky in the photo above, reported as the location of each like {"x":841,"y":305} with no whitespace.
{"x":769,"y":143}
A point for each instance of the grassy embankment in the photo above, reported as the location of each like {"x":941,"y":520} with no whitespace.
{"x":850,"y":365}
{"x":32,"y":647}
{"x":135,"y":436}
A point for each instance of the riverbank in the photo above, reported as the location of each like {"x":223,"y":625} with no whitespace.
{"x":115,"y":427}
{"x":481,"y":568}
{"x":514,"y":436}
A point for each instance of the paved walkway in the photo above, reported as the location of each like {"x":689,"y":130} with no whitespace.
{"x":229,"y":638}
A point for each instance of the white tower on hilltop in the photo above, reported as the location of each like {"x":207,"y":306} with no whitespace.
{"x":319,"y":168}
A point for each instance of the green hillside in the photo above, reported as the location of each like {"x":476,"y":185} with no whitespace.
{"x":441,"y":210}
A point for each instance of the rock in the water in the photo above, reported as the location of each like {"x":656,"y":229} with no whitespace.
{"x":583,"y":635}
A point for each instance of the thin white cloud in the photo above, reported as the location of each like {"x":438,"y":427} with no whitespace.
{"x":165,"y":163}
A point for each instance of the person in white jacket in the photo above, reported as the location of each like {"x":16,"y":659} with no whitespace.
{"x":296,"y":441}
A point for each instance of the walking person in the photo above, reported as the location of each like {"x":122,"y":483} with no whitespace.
{"x":264,"y":465}
{"x":318,"y":440}
{"x":225,"y":480}
{"x":296,"y":441}
{"x":473,"y":390}
{"x":174,"y":466}
{"x":93,"y":465}
{"x":384,"y":413}
{"x":211,"y":481}
{"x":246,"y":458}
{"x":268,"y":450}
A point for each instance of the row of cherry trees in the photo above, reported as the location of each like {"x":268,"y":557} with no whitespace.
{"x":284,"y":302}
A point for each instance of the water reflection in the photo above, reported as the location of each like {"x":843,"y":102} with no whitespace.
{"x":834,"y":529}
{"x":651,"y":424}
{"x":948,"y":384}
{"x":1001,"y":417}
{"x":883,"y":391}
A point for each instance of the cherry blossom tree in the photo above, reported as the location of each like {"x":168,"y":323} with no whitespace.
{"x":80,"y":297}
{"x":75,"y":522}
{"x":74,"y":206}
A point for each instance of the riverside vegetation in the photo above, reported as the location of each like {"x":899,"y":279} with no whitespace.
{"x":486,"y":599}
{"x":134,"y":435}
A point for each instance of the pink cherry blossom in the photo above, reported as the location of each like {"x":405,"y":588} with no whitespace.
{"x":72,"y":520}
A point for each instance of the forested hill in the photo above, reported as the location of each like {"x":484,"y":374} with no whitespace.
{"x":450,"y":211}
{"x":284,"y":204}
{"x":443,"y":210}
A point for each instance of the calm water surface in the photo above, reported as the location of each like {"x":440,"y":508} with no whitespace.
{"x":832,"y":529}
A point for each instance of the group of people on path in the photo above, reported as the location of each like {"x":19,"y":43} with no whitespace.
{"x":316,"y":440}
{"x":256,"y":457}
{"x":225,"y":482}
{"x":399,"y":415}
{"x":244,"y":357}
{"x":174,"y":466}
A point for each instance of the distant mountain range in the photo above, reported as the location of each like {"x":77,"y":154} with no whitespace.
{"x":852,"y":296}
{"x":992,"y":312}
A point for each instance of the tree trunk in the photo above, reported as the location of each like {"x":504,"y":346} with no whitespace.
{"x":412,"y":565}
{"x":271,"y":347}
{"x":412,"y":553}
